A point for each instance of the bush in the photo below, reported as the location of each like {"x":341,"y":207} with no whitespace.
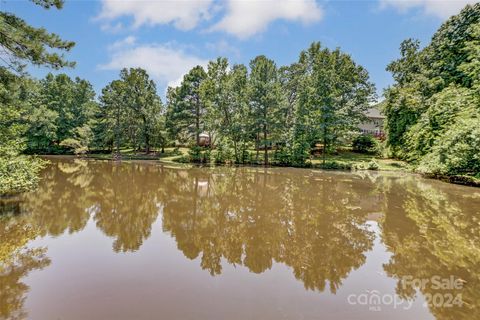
{"x":19,"y":173}
{"x":334,"y":165}
{"x":198,"y":154}
{"x":282,"y":157}
{"x":366,"y":144}
{"x":223,"y":154}
{"x":300,"y":153}
{"x":457,"y":151}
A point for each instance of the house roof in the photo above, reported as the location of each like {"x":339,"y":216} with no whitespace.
{"x":374,"y":113}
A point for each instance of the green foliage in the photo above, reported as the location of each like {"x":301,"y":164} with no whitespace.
{"x":333,"y":96}
{"x":19,"y":173}
{"x":457,"y":150}
{"x":42,"y":129}
{"x":265,"y":98}
{"x":334,"y":165}
{"x":26,"y":44}
{"x":223,"y":153}
{"x":185,"y":116}
{"x":285,"y":112}
{"x":130,"y":113}
{"x":228,"y":116}
{"x":282,"y":157}
{"x":432,"y":109}
{"x":198,"y":154}
{"x":56,"y":111}
{"x":81,"y":141}
{"x":366,"y":144}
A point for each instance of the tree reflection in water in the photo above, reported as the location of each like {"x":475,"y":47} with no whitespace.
{"x":312,"y":222}
{"x":16,"y":261}
{"x":254,"y":218}
{"x":432,"y":230}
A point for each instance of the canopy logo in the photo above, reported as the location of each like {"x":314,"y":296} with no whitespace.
{"x":375,"y":300}
{"x":438,"y":292}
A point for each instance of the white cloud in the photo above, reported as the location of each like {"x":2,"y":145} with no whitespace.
{"x":244,"y":18}
{"x":183,"y":14}
{"x":163,"y":62}
{"x":439,"y":8}
{"x":120,"y":44}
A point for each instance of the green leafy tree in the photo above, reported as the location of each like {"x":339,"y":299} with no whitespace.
{"x":185,"y":109}
{"x":432,"y":109}
{"x":265,"y":98}
{"x":335,"y":93}
{"x":81,"y":141}
{"x":224,"y":93}
{"x":143,"y":102}
{"x":42,"y":129}
{"x":22,"y":44}
{"x":214,"y":95}
{"x":130,"y":113}
{"x":68,"y":104}
{"x":17,"y":172}
{"x":113,"y":115}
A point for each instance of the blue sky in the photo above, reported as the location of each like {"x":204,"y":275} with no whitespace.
{"x":169,"y":37}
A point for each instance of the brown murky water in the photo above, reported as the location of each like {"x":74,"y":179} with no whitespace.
{"x":142,"y":241}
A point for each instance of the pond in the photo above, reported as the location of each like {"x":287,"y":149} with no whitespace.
{"x":140,"y":240}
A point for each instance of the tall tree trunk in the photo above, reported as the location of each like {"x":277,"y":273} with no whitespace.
{"x":117,"y":135}
{"x":146,"y":135}
{"x":265,"y":144}
{"x":235,"y":150}
{"x":324,"y":144}
{"x":197,"y":121}
{"x":257,"y":146}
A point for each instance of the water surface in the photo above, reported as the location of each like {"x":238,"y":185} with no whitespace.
{"x":99,"y":240}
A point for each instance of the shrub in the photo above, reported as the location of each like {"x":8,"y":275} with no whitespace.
{"x":195,"y":154}
{"x":19,"y":173}
{"x":223,"y":154}
{"x":282,"y":157}
{"x":300,"y":153}
{"x":457,"y":151}
{"x":198,"y":154}
{"x":334,"y":165}
{"x":366,"y":144}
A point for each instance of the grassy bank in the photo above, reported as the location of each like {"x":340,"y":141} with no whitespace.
{"x":169,"y":155}
{"x":343,"y":160}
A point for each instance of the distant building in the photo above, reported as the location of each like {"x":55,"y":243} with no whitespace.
{"x":374,"y":124}
{"x":204,"y":139}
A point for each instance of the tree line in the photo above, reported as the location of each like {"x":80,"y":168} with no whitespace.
{"x":284,"y":111}
{"x":261,"y":113}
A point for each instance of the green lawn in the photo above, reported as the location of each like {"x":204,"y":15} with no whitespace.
{"x":355,"y":160}
{"x":129,"y":154}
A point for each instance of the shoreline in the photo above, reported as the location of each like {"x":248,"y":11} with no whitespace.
{"x":170,"y":161}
